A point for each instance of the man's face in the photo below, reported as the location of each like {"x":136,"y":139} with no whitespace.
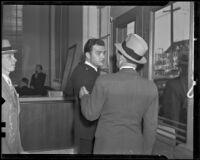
{"x":8,"y":62}
{"x":97,"y":55}
{"x":37,"y":69}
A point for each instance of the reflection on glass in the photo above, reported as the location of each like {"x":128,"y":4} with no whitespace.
{"x":171,"y":48}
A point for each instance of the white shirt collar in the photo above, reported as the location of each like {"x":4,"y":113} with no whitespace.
{"x":127,"y":67}
{"x":7,"y":79}
{"x":91,"y":65}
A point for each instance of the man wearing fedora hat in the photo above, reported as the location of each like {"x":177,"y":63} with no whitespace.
{"x":122,"y":101}
{"x":11,"y":143}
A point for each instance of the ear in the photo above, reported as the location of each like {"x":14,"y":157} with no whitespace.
{"x":122,"y":58}
{"x":87,"y":54}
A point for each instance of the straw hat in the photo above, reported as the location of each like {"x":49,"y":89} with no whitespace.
{"x":133,"y":48}
{"x":6,"y":47}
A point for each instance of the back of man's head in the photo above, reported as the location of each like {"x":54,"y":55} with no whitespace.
{"x":125,"y":61}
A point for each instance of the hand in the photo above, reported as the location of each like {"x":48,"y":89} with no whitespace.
{"x":83,"y":91}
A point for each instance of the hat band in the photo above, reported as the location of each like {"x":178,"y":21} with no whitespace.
{"x":130,"y":52}
{"x":6,"y":48}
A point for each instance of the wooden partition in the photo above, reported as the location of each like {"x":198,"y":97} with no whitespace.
{"x":46,"y":124}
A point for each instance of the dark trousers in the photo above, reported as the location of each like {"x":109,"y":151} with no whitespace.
{"x":86,"y":146}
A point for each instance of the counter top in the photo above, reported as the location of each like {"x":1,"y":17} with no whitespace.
{"x":44,"y":98}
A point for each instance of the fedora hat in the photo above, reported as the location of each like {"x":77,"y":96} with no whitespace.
{"x":133,"y":48}
{"x":6,"y":47}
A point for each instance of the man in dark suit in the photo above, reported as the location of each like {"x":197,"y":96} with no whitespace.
{"x":121,"y":101}
{"x":11,"y":144}
{"x":85,"y":74}
{"x":38,"y":80}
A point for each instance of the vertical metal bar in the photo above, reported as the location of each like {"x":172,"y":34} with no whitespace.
{"x":190,"y":80}
{"x":50,"y":50}
{"x":108,"y":32}
{"x":172,"y":24}
{"x":60,"y":42}
{"x":151,"y":45}
{"x":172,"y":33}
{"x":16,"y":29}
{"x":88,"y":23}
{"x":99,"y":21}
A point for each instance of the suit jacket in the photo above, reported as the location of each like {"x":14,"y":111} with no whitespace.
{"x":83,"y":75}
{"x":11,"y":144}
{"x":174,"y":102}
{"x":121,"y":101}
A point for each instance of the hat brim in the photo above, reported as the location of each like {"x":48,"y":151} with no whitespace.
{"x":119,"y":47}
{"x":8,"y":52}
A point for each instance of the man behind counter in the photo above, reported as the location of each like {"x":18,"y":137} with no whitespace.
{"x":38,"y":80}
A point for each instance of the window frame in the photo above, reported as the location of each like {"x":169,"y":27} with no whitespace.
{"x":189,"y":129}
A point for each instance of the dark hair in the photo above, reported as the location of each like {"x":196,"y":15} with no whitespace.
{"x":39,"y":65}
{"x":25,"y":80}
{"x":91,"y":42}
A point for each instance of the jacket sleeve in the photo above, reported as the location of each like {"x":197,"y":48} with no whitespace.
{"x":43,"y":78}
{"x":91,"y":105}
{"x":11,"y":119}
{"x":32,"y":81}
{"x":150,"y":121}
{"x":69,"y":89}
{"x":5,"y":118}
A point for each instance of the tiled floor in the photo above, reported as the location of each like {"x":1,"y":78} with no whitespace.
{"x":170,"y":150}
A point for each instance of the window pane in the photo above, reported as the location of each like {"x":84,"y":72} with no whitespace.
{"x":131,"y":27}
{"x":162,"y":34}
{"x":181,"y":18}
{"x":170,"y":66}
{"x":12,"y":30}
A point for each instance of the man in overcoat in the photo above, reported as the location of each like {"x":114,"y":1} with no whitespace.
{"x":11,"y":143}
{"x":122,"y":101}
{"x":85,"y":74}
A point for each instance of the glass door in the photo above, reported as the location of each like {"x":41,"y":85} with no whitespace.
{"x":171,"y":50}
